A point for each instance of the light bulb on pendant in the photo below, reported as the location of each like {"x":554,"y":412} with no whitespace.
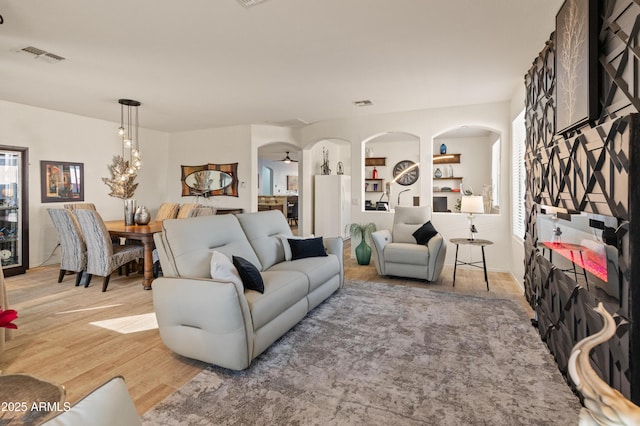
{"x":121,"y":131}
{"x":127,"y":143}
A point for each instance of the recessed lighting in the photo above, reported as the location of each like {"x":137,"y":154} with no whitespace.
{"x":362,"y":103}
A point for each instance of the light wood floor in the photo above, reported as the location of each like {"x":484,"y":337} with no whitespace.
{"x":56,"y":342}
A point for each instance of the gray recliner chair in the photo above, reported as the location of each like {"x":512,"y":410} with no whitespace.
{"x":398,"y":254}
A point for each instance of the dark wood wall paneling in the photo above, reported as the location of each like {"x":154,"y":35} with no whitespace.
{"x":594,"y":169}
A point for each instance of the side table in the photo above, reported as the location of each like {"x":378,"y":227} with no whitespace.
{"x":475,"y":242}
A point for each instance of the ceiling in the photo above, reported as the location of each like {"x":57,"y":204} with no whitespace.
{"x":203,"y":63}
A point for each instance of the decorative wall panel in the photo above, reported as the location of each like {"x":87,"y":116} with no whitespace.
{"x":590,"y":169}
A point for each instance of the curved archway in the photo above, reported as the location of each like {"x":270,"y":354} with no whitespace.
{"x":391,"y":170}
{"x":466,"y":161}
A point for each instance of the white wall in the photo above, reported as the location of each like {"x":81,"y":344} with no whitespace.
{"x":426,"y":124}
{"x":52,"y":135}
{"x":218,"y":146}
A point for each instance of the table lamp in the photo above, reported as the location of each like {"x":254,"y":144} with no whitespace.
{"x":472,"y":204}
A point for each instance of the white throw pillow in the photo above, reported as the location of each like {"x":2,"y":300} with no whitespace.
{"x":287,"y":247}
{"x":222,"y":269}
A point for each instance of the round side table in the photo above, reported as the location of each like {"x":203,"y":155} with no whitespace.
{"x":477,"y":242}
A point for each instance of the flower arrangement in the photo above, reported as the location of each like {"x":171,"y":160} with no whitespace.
{"x":6,"y":318}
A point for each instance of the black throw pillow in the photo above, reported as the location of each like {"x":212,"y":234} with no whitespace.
{"x":308,"y":247}
{"x":425,"y":233}
{"x":251,"y":278}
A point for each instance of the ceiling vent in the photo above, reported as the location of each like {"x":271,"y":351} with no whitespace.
{"x":42,"y":54}
{"x":249,"y":3}
{"x":363,"y":103}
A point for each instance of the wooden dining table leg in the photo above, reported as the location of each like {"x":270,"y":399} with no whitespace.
{"x":148,"y":263}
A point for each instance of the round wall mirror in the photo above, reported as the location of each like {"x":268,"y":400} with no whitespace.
{"x":204,"y":181}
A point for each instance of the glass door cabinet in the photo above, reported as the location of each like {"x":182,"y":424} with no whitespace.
{"x":14,"y":217}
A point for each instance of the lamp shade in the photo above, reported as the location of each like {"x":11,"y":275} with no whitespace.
{"x":472,"y":204}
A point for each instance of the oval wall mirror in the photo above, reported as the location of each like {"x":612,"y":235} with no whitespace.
{"x":203,"y":181}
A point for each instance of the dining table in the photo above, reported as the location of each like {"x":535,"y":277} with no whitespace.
{"x":142,"y":233}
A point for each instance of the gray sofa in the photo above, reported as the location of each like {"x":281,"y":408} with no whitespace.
{"x":218,"y":321}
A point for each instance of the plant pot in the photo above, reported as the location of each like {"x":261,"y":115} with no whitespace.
{"x":363,"y":252}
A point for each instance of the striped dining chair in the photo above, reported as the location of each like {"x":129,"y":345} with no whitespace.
{"x":167,"y":211}
{"x":103,"y":257}
{"x":74,"y":249}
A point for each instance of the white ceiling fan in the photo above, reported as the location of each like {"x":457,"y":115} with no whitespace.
{"x":288,"y":159}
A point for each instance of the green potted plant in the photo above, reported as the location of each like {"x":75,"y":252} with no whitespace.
{"x":363,"y":251}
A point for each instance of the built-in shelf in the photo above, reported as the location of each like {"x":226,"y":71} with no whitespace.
{"x":375,"y":161}
{"x":446,"y":158}
{"x":373,"y":185}
{"x":448,"y":178}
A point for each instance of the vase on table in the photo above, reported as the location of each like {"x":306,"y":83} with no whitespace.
{"x":142,"y":216}
{"x":129,"y":211}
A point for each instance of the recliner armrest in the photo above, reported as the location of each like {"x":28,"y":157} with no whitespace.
{"x":437,"y":251}
{"x":380,"y":240}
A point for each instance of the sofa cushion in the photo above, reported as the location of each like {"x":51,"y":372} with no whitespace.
{"x":222,"y":269}
{"x":307,"y":247}
{"x":282,"y":289}
{"x":263,"y":230}
{"x":318,"y":270}
{"x":251,"y":278}
{"x":408,"y":253}
{"x":189,"y":242}
{"x":286,"y":246}
{"x":425,"y":233}
{"x":406,"y":220}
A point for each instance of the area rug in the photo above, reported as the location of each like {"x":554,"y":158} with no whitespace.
{"x":377,"y":354}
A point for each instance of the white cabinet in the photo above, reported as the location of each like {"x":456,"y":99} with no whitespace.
{"x":332,"y":200}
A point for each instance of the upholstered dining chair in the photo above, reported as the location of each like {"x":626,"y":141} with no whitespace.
{"x":74,"y":249}
{"x":103,"y":257}
{"x":202,"y":211}
{"x":185,"y":210}
{"x":167,"y":211}
{"x":74,"y":206}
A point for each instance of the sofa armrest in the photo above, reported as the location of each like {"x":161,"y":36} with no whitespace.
{"x":380,"y":240}
{"x":205,"y":319}
{"x":166,"y":262}
{"x":335,"y":245}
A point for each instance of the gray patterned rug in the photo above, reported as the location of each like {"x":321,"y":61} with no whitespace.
{"x":376,"y":354}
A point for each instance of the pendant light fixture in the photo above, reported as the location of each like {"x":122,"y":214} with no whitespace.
{"x":128,"y":130}
{"x":124,"y":169}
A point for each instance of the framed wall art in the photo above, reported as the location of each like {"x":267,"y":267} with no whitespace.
{"x":61,"y":181}
{"x":576,"y":64}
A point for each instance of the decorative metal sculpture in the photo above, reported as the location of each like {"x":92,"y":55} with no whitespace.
{"x":122,"y":182}
{"x":325,"y":170}
{"x":603,"y":405}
